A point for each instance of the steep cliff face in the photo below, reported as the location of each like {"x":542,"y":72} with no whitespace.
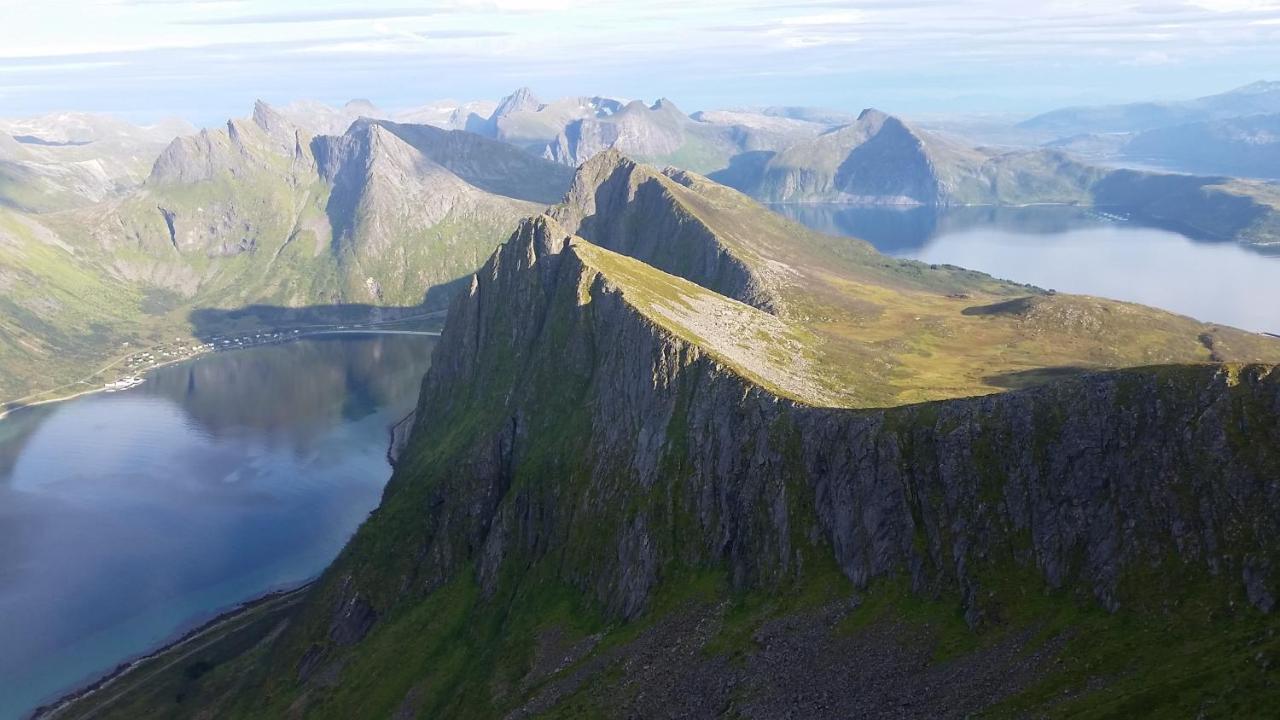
{"x":626,"y":493}
{"x":1085,"y":481}
{"x":642,"y":213}
{"x":637,"y":130}
{"x":577,"y":433}
{"x":880,"y":159}
{"x":262,"y":212}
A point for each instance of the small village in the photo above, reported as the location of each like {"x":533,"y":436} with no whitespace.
{"x":130,"y":371}
{"x":133,"y":367}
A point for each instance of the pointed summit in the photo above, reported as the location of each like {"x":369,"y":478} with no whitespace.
{"x":634,"y":106}
{"x":605,"y":162}
{"x":871,"y":115}
{"x":267,"y":117}
{"x":633,"y":209}
{"x":282,"y":131}
{"x":665,"y":105}
{"x":522,"y":100}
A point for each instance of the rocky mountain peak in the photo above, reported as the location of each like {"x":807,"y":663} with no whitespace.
{"x":522,"y":100}
{"x":872,"y":115}
{"x":665,"y":105}
{"x":274,"y":124}
{"x":607,"y":167}
{"x":635,"y":210}
{"x":264,"y":115}
{"x":535,"y":238}
{"x":605,"y":162}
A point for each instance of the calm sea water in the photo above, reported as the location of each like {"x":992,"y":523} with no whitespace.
{"x":1075,"y":250}
{"x":127,"y":518}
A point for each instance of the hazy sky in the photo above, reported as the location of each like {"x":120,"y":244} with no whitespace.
{"x":208,"y":59}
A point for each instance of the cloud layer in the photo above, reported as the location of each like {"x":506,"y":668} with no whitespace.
{"x":208,"y":58}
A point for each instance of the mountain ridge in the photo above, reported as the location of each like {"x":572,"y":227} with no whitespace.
{"x":593,"y":471}
{"x":1257,"y":97}
{"x":260,"y":212}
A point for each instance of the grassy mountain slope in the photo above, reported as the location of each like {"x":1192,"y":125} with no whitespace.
{"x":884,"y":331}
{"x":262,"y":213}
{"x":621,"y":498}
{"x":59,"y":314}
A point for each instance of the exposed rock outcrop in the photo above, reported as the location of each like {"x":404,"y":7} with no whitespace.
{"x":594,"y":431}
{"x":634,"y":210}
{"x":1087,"y":481}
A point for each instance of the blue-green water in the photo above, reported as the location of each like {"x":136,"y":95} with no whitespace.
{"x":127,"y":518}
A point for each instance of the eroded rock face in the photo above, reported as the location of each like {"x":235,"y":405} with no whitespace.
{"x":570,"y":437}
{"x":631,"y":209}
{"x":607,"y":442}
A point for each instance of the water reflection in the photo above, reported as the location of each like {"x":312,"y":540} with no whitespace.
{"x":1075,"y":250}
{"x":127,"y":517}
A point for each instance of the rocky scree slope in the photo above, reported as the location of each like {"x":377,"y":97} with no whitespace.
{"x":606,"y":463}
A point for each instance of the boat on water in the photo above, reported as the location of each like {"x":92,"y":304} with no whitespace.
{"x":123,"y":384}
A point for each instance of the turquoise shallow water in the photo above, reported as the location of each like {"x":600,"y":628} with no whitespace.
{"x":1078,"y":250}
{"x":127,"y":518}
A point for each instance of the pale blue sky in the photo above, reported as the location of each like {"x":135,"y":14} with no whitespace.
{"x":208,"y":59}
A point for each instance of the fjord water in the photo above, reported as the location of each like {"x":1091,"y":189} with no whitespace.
{"x":128,"y":518}
{"x":1076,"y":250}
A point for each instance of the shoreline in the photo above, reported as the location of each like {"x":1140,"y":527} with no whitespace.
{"x":122,"y":670}
{"x":7,"y":411}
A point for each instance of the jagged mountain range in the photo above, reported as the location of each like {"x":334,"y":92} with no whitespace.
{"x":282,"y":209}
{"x":784,"y":155}
{"x":678,"y":455}
{"x":368,"y":209}
{"x":880,"y":159}
{"x":264,"y":212}
{"x":648,"y":475}
{"x":705,"y":142}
